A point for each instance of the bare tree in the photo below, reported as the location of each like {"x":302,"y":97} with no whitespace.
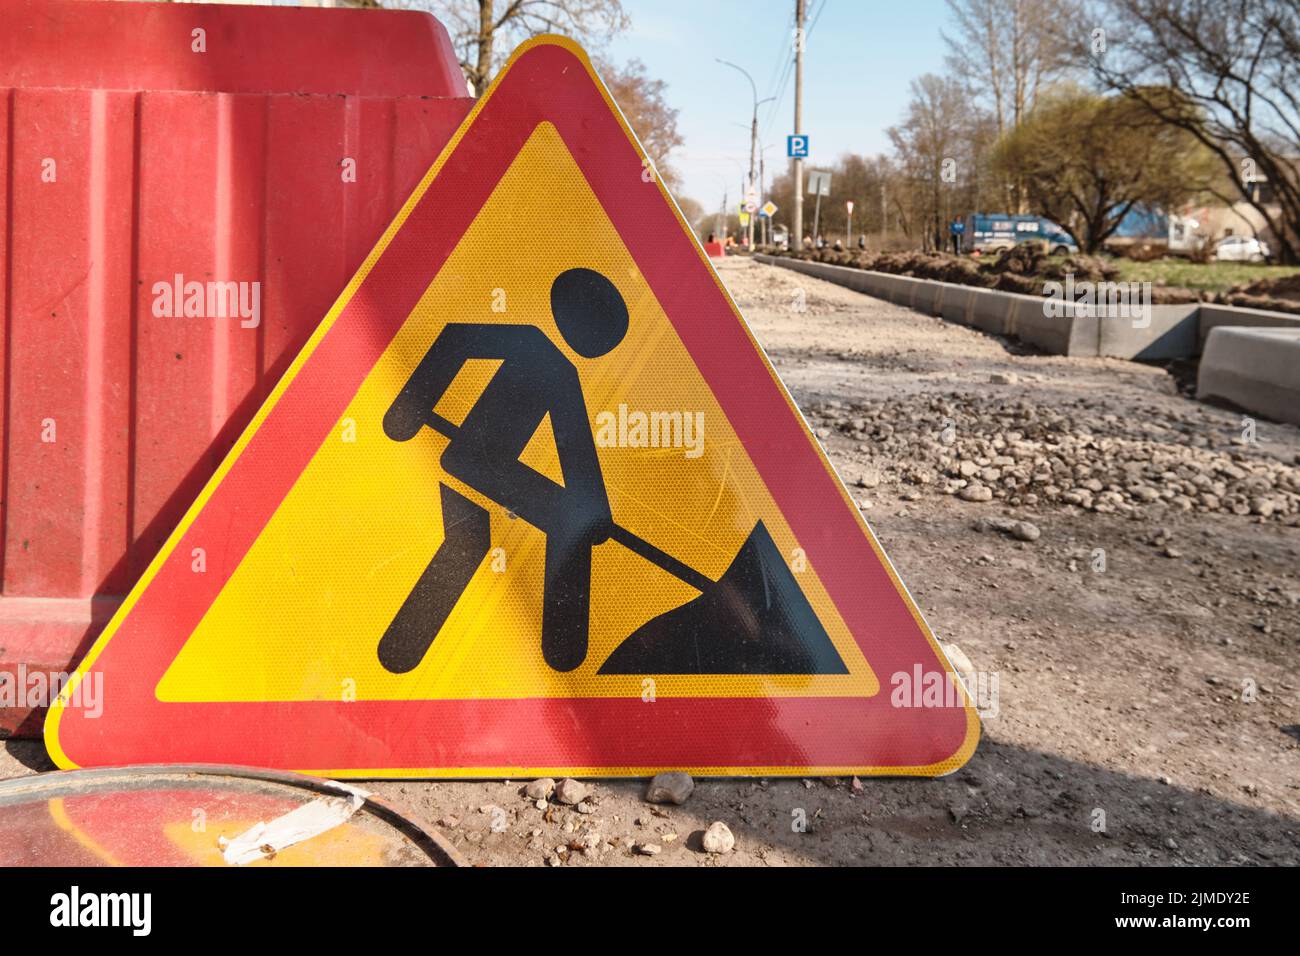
{"x":874,"y":184}
{"x":1009,"y":50}
{"x":646,"y":108}
{"x":701,"y":222}
{"x":934,"y":147}
{"x":485,"y":32}
{"x":1236,"y":67}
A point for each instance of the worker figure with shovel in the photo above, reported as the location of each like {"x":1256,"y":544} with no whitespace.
{"x":535,"y":379}
{"x":755,"y":619}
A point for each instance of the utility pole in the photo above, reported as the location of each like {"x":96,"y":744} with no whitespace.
{"x":884,"y":214}
{"x":767,"y":224}
{"x":796,"y":241}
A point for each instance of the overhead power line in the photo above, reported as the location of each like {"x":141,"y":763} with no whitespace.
{"x":788,"y":71}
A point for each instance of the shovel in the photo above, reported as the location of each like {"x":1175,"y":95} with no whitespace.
{"x":754,"y":619}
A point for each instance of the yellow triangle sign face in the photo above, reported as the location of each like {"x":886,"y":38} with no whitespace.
{"x":530,"y":500}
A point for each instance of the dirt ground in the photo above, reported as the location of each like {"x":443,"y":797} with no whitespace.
{"x":1160,"y":691}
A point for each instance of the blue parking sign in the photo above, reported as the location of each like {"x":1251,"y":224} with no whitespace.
{"x":796,"y":146}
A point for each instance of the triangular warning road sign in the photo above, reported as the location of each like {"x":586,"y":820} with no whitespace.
{"x":531,"y":500}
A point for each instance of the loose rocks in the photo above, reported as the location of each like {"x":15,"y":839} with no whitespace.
{"x":1020,"y":530}
{"x":718,"y":838}
{"x":570,"y":792}
{"x":1011,"y":449}
{"x":673,"y":788}
{"x":540,"y":789}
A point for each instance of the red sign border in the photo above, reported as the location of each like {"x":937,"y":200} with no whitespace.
{"x":547,"y":80}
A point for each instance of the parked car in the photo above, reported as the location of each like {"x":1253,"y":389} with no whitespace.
{"x":1241,"y":249}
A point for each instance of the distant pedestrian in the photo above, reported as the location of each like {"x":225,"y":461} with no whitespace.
{"x":957,"y":230}
{"x":862,"y":242}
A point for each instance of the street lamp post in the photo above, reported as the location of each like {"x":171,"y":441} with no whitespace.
{"x":753,"y":135}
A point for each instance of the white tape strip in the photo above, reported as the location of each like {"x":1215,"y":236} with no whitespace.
{"x":264,"y":840}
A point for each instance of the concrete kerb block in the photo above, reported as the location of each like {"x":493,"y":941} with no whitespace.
{"x":923,"y":294}
{"x":1168,"y":332}
{"x":860,"y":281}
{"x":1174,"y":331}
{"x":888,"y":287}
{"x":942,"y":292}
{"x":1254,"y":368}
{"x":911,"y":289}
{"x":908,"y":289}
{"x":1211,"y":316}
{"x":869,"y":284}
{"x":956,"y":303}
{"x":1072,"y":333}
{"x":990,"y":311}
{"x":902,"y":290}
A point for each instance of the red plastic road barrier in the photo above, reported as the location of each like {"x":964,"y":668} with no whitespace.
{"x":715,"y":250}
{"x":145,"y":148}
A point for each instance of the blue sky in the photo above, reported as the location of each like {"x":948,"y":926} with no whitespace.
{"x":861,"y":55}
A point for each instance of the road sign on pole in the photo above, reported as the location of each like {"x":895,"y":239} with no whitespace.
{"x":819,"y":185}
{"x":769,"y":209}
{"x":796,"y":146}
{"x":525,"y":515}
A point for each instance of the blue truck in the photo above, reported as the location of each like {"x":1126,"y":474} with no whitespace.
{"x":1176,"y":234}
{"x":989,"y":232}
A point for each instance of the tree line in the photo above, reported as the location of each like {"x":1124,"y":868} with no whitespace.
{"x":1081,"y":110}
{"x":1077,"y":110}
